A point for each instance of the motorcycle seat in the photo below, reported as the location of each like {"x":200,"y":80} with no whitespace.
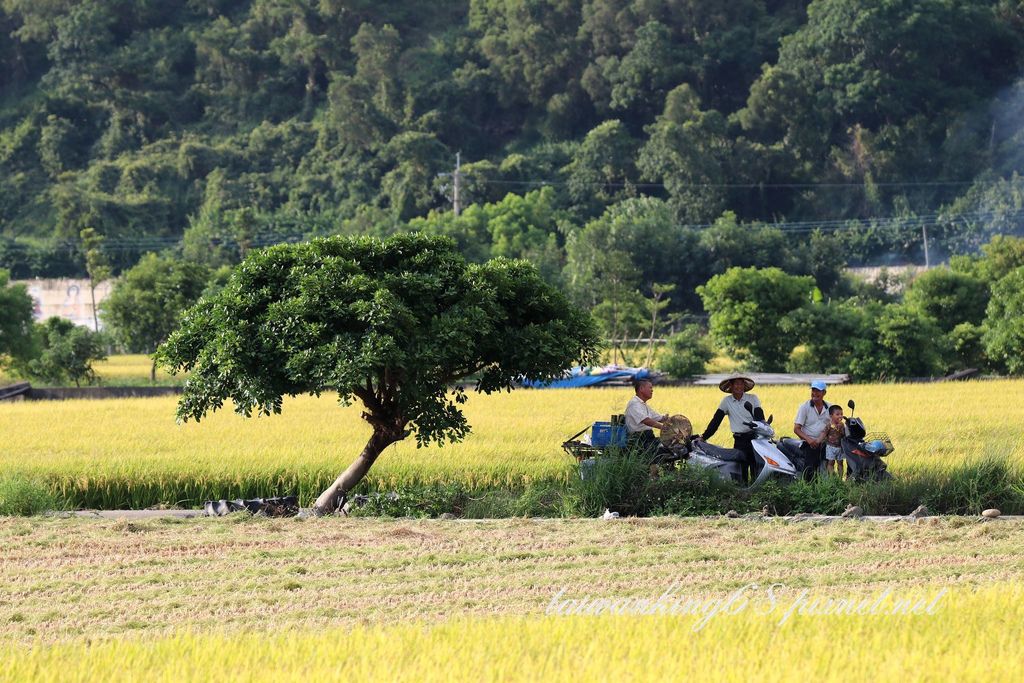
{"x":726,"y":454}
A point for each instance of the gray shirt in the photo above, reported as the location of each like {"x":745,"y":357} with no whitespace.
{"x":812,"y":422}
{"x":737,"y":413}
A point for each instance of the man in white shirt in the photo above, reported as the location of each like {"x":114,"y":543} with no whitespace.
{"x":811,"y":421}
{"x":641,"y":419}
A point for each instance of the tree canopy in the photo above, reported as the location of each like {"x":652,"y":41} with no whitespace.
{"x":16,"y":326}
{"x":391,"y":323}
{"x":146,"y":302}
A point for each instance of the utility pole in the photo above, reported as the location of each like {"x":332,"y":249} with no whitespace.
{"x":457,"y":179}
{"x":924,"y":234}
{"x":456,"y":184}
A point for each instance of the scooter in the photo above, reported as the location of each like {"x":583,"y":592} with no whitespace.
{"x":727,"y":463}
{"x":775,"y":464}
{"x":864,"y":452}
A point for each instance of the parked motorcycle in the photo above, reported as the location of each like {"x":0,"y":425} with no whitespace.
{"x":864,"y":451}
{"x":774,"y":463}
{"x":727,"y":463}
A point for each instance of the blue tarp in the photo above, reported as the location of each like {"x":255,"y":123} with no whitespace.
{"x":588,"y":377}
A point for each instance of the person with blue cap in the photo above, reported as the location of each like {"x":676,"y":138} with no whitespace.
{"x":811,"y":421}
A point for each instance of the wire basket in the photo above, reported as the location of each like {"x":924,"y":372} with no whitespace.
{"x":883,"y":438}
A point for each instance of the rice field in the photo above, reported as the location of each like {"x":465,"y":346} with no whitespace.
{"x":131,"y":451}
{"x":252,"y":599}
{"x":497,"y":600}
{"x":121,"y":369}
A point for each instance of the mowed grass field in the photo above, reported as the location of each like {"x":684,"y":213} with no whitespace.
{"x":131,"y":452}
{"x":256,"y":599}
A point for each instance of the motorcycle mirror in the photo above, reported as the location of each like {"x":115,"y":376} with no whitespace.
{"x":851,"y":404}
{"x":770,"y":418}
{"x":749,"y":407}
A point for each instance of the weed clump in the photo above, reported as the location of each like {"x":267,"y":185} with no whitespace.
{"x":22,"y":496}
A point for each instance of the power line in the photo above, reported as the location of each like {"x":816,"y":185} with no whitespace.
{"x":753,"y":186}
{"x":916,"y":223}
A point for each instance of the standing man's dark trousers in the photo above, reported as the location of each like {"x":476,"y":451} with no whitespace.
{"x":812,"y":459}
{"x":745,"y":442}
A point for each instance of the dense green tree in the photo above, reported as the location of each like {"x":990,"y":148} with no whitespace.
{"x":602,"y":166}
{"x":146,"y":303}
{"x":391,"y":323}
{"x":868,"y":89}
{"x":67,"y":353}
{"x":745,"y":304}
{"x":729,"y":244}
{"x":991,"y":207}
{"x":899,"y":341}
{"x":633,"y":245}
{"x":529,"y":227}
{"x":687,"y":353}
{"x":689,"y":152}
{"x":827,"y":331}
{"x":967,"y":347}
{"x":1000,"y":257}
{"x":949,"y":297}
{"x":17,"y":341}
{"x":1004,"y":323}
{"x":470,"y":230}
{"x":416,"y":159}
{"x":531,"y":44}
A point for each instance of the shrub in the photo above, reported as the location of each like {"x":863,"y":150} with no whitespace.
{"x":619,"y":482}
{"x":687,"y":353}
{"x":22,"y":496}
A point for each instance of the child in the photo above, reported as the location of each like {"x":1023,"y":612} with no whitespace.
{"x":834,"y":433}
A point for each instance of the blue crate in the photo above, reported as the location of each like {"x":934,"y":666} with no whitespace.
{"x":606,"y":434}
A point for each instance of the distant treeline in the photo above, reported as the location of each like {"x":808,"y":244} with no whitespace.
{"x":209,"y":127}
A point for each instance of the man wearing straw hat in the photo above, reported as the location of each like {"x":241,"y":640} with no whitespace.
{"x":733,"y":405}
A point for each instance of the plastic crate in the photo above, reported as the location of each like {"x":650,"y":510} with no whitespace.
{"x":606,"y":434}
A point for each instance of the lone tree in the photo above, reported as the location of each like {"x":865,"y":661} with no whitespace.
{"x":392,"y":323}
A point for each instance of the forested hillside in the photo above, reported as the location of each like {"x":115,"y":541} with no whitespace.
{"x":212,"y":126}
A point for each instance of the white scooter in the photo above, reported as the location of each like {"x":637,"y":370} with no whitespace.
{"x":774,"y":463}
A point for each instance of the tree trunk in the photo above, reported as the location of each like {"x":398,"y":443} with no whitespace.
{"x":334,"y":497}
{"x":152,"y":372}
{"x":95,"y":317}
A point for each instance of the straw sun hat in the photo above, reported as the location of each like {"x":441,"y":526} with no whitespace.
{"x":726,"y":384}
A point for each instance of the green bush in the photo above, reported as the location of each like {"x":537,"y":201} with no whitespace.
{"x":687,"y":353}
{"x":618,"y":481}
{"x":415,"y":501}
{"x":972,"y":487}
{"x":22,"y":496}
{"x":692,"y":491}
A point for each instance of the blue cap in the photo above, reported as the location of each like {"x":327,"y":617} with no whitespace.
{"x":818,"y":384}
